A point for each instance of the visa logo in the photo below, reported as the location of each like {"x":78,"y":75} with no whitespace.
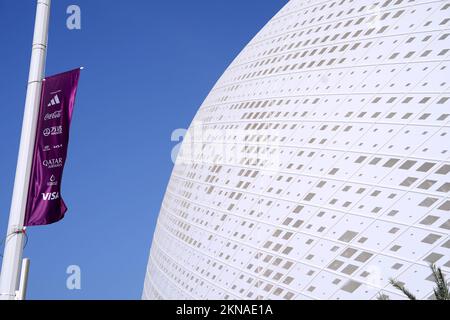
{"x":49,"y":196}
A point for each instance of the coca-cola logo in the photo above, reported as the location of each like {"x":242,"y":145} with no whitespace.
{"x":53,"y":115}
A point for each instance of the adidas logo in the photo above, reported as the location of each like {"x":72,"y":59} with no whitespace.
{"x":54,"y":101}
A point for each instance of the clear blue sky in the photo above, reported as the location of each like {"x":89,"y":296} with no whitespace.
{"x":149,"y":65}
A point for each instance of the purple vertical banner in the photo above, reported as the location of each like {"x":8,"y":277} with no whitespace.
{"x":45,"y":204}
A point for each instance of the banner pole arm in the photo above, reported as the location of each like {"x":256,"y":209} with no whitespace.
{"x":22,"y":292}
{"x":11,"y":264}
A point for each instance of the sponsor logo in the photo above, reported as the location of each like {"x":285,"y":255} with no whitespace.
{"x":46,"y":148}
{"x":52,"y":181}
{"x":53,"y":163}
{"x":50,"y":196}
{"x":53,"y":115}
{"x":53,"y":131}
{"x":55,"y":100}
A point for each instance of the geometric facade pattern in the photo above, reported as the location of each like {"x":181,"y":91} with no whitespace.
{"x":318,"y":166}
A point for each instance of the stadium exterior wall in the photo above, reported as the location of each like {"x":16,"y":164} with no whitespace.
{"x":318,"y":166}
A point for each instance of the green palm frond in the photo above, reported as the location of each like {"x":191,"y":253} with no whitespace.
{"x":399,"y":286}
{"x":382,"y":296}
{"x":441,"y":291}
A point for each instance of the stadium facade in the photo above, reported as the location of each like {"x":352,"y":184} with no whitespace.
{"x":318,"y":166}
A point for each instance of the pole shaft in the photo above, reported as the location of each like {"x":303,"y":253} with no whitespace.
{"x":12,"y":256}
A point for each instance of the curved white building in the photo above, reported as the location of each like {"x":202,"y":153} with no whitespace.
{"x":318,"y":166}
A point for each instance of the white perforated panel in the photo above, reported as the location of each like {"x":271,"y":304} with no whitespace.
{"x":318,"y":165}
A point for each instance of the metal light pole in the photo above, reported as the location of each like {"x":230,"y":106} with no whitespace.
{"x":12,"y":257}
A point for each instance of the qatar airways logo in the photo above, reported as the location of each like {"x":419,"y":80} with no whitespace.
{"x":53,"y":115}
{"x":53,"y":163}
{"x":50,"y":196}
